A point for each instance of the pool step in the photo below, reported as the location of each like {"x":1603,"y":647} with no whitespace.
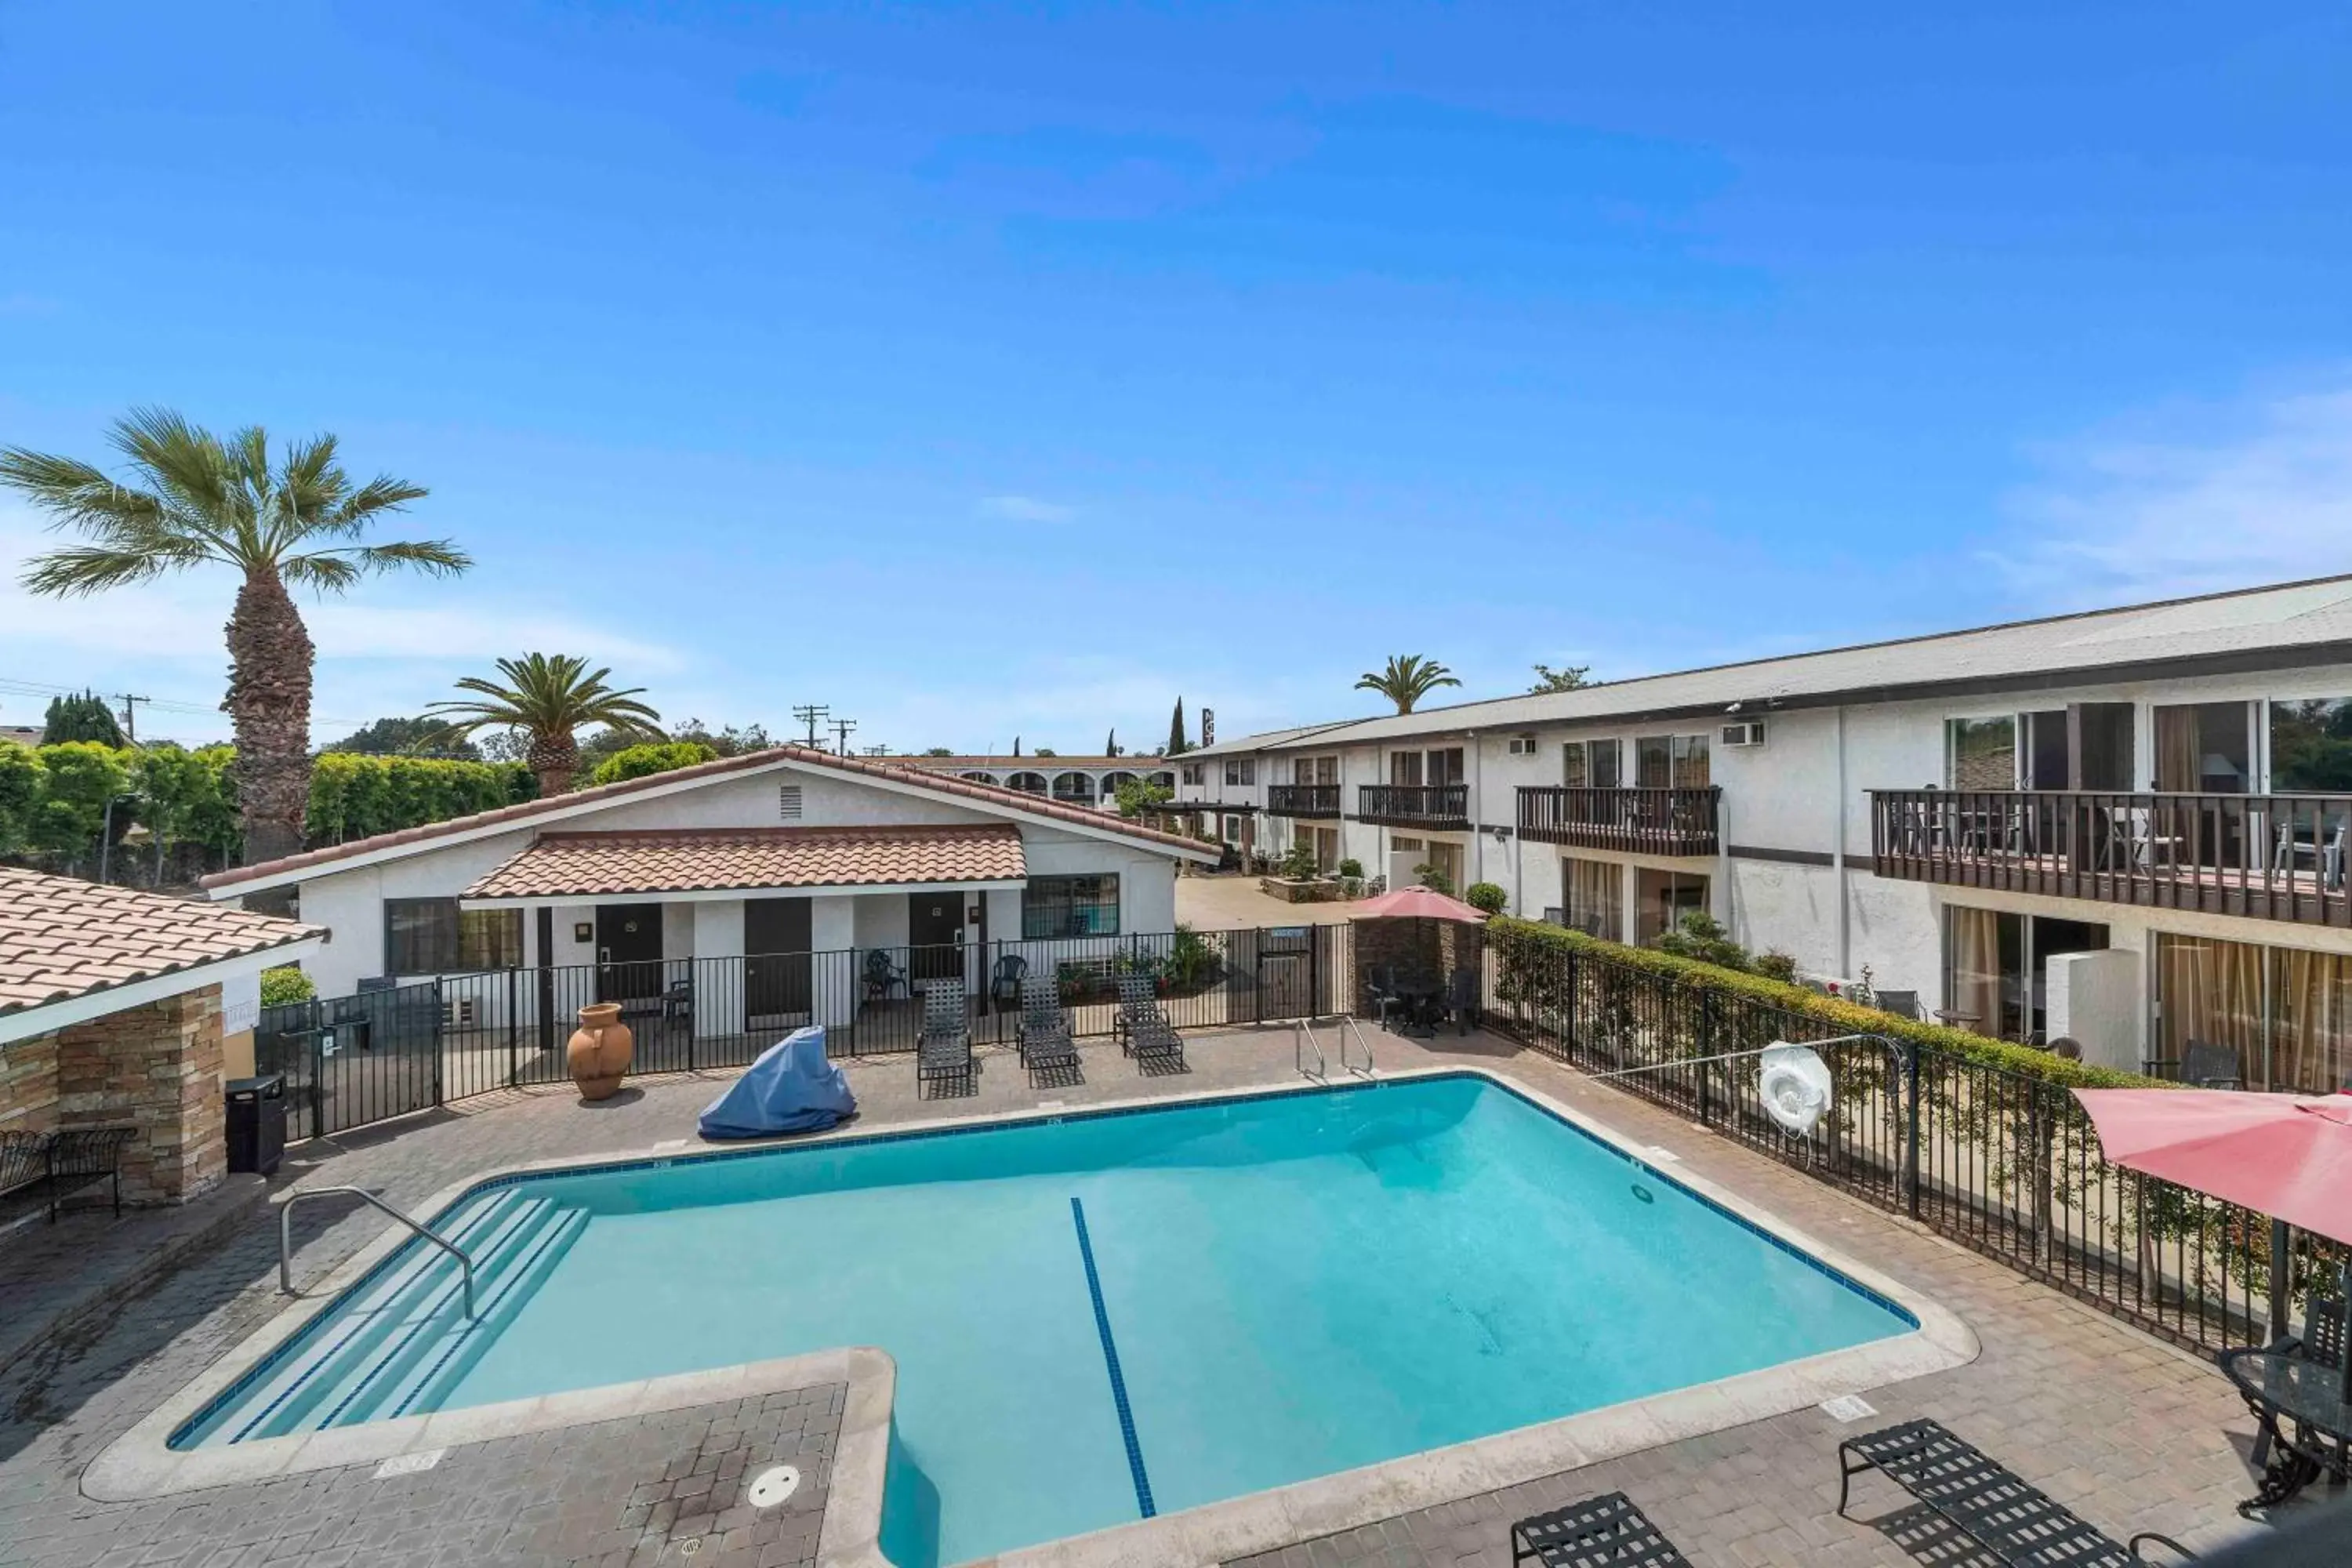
{"x":406,"y":1340}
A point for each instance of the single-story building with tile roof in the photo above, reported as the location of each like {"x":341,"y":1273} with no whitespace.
{"x":772,"y":855}
{"x":117,"y":1008}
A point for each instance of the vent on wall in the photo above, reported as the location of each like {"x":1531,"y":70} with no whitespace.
{"x":788,"y":801}
{"x":457,"y":1013}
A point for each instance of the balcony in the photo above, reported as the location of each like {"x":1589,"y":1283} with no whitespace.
{"x":1642,"y":821}
{"x":1441,"y":808}
{"x":2277,"y":857}
{"x":1302,"y":800}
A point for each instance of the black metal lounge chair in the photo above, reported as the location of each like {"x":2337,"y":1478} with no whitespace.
{"x":2012,"y":1520}
{"x":1144,"y":1031}
{"x":1044,"y":1032}
{"x":944,"y":1051}
{"x":1605,"y":1532}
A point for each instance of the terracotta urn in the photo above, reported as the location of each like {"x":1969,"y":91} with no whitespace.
{"x":599,"y":1051}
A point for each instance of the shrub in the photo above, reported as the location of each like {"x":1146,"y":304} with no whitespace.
{"x":1191,"y":959}
{"x":1351,"y":866}
{"x":655,"y":757}
{"x":285,"y":985}
{"x":1299,"y":864}
{"x":1776,"y":965}
{"x":357,"y":795}
{"x":1701,"y":936}
{"x":1486,"y":895}
{"x":1436,"y":879}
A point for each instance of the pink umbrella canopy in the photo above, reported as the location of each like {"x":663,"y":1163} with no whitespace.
{"x":2286,"y":1155}
{"x":1416,"y":903}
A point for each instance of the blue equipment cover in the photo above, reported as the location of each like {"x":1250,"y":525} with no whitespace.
{"x":791,"y":1089}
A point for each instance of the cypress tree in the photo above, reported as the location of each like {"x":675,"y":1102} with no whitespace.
{"x":1177,"y":744}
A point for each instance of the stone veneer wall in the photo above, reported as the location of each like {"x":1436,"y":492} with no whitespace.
{"x":159,"y":1068}
{"x":1421,"y":950}
{"x":28,"y":1084}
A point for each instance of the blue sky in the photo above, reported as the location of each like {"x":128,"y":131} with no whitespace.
{"x":990,"y":369}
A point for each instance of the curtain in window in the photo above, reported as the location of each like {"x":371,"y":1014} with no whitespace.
{"x":2311,"y":1028}
{"x":1974,"y":983}
{"x":2177,"y":756}
{"x":1595,"y":898}
{"x":2211,"y":992}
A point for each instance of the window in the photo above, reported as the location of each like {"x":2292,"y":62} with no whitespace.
{"x":1070,"y":906}
{"x":1671,"y":761}
{"x":1241,"y":770}
{"x":1593,"y":889}
{"x":1589,"y":764}
{"x":2311,"y":746}
{"x":2201,"y":747}
{"x":1404,"y":770}
{"x":1316,"y":770}
{"x":1663,"y":898}
{"x":434,"y":936}
{"x":1981,"y":753}
{"x":1410,"y":770}
{"x":2284,"y":1013}
{"x":1192,"y":773}
{"x":1445,"y":766}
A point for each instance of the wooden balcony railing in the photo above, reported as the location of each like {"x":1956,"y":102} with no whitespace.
{"x":1440,"y":807}
{"x":2271,"y":857}
{"x":1302,"y":800}
{"x":1649,"y":821}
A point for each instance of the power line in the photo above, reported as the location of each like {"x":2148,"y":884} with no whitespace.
{"x":841,"y":729}
{"x":811,"y":714}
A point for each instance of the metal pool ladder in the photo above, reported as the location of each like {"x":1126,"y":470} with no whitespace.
{"x":1302,"y":1040}
{"x":286,"y":1236}
{"x":1348,"y":1031}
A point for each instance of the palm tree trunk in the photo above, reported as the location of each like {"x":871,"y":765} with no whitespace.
{"x":555,"y":758}
{"x":270,"y":654}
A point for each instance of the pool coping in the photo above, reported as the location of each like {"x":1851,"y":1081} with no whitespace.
{"x":141,"y":1463}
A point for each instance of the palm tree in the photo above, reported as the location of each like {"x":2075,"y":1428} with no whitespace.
{"x":547,"y":697}
{"x":1407,"y":679}
{"x":191,"y":499}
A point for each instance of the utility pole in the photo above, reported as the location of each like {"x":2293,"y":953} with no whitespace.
{"x":841,"y":729}
{"x":811,"y":714}
{"x":130,"y":714}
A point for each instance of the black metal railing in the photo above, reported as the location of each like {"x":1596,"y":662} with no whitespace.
{"x":1303,"y":800}
{"x":2272,"y":856}
{"x":353,"y":1060}
{"x":1445,"y":808}
{"x":2001,"y":1160}
{"x":1649,"y":821}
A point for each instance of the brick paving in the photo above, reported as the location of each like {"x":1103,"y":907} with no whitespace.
{"x":2131,"y":1433}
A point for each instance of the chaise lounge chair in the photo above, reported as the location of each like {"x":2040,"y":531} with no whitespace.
{"x":2010,"y":1519}
{"x":1044,"y":1032}
{"x":1606,"y":1531}
{"x":1143,"y":1029}
{"x":944,"y":1051}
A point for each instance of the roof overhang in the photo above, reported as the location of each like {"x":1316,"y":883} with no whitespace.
{"x":722,"y":895}
{"x":42,"y":1017}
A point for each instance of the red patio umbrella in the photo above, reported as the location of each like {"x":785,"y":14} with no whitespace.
{"x":2286,"y":1155}
{"x":1416,"y":903}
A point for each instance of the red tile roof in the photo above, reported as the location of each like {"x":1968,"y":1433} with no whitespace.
{"x":874,"y":767}
{"x":702,"y":859}
{"x":61,"y":938}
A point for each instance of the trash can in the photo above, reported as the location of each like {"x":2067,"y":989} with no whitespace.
{"x":256,"y":1124}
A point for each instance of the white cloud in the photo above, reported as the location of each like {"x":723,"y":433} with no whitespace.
{"x":1026,"y":509}
{"x":2155,"y":517}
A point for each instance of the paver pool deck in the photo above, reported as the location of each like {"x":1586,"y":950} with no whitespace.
{"x":2131,"y":1433}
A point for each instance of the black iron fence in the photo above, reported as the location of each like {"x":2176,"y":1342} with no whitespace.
{"x":2000,"y":1161}
{"x":353,"y":1060}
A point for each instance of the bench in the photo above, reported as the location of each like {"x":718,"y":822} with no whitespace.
{"x":37,"y":1169}
{"x":2011,"y":1520}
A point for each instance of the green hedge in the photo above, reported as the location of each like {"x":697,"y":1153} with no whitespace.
{"x":1846,"y":1017}
{"x":354,"y":794}
{"x":653,"y":757}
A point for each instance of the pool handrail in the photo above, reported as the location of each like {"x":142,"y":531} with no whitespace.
{"x":1348,"y":1031}
{"x":1302,"y":1039}
{"x":286,"y":1236}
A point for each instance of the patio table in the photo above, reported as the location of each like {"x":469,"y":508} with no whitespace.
{"x":1421,"y":998}
{"x":2305,"y":1413}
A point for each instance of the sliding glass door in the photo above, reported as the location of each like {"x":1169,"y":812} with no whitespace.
{"x":2285,"y":1014}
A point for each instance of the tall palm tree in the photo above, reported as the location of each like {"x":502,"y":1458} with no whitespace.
{"x":1407,"y":679}
{"x":547,"y":697}
{"x":191,"y":499}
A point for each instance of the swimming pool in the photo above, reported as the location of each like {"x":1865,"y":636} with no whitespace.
{"x":1102,"y":1316}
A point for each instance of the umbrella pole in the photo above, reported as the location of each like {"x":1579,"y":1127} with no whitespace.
{"x":2281,"y":1281}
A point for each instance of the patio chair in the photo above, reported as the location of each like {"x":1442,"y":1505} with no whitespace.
{"x":2011,"y":1520}
{"x":1606,"y":1531}
{"x":1143,"y":1029}
{"x":1902,"y":1004}
{"x":1043,"y":1033}
{"x":881,"y":975}
{"x":944,"y":1049}
{"x":677,"y":1000}
{"x":1005,"y":981}
{"x":2322,"y":1340}
{"x":1461,"y":999}
{"x":2203,"y":1063}
{"x":1380,"y":992}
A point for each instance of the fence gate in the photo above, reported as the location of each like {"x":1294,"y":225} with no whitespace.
{"x":355,"y":1060}
{"x":1288,"y":965}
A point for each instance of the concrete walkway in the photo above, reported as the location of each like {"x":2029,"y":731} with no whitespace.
{"x":2132,"y":1433}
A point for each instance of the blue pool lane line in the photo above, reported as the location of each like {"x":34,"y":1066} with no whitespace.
{"x":1111,"y":1360}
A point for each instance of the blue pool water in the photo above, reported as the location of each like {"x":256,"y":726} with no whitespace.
{"x":1288,"y":1286}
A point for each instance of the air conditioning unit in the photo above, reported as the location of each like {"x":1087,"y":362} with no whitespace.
{"x":1523,"y":745}
{"x":457,"y":1013}
{"x":1747,"y":732}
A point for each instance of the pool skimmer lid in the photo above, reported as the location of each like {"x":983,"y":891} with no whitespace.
{"x":773,"y":1485}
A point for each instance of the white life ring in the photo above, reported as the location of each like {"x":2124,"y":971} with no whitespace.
{"x":1794,"y":1084}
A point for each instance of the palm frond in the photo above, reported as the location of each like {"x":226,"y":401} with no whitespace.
{"x":322,"y":573}
{"x":439,"y":557}
{"x":84,"y":569}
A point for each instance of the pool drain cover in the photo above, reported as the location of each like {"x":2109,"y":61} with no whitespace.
{"x":773,"y":1485}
